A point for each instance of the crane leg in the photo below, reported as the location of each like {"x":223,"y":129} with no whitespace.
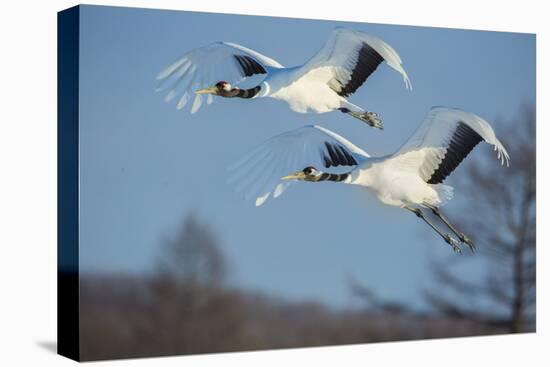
{"x":447,"y":237}
{"x":371,"y":118}
{"x":461,"y":236}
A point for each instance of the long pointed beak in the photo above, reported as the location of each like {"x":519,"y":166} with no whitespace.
{"x":211,"y":90}
{"x":298,"y":175}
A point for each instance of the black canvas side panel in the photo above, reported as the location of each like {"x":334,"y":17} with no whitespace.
{"x":67,"y":183}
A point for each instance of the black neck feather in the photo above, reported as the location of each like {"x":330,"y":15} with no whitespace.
{"x":248,"y":93}
{"x":241,"y":93}
{"x":333,"y":177}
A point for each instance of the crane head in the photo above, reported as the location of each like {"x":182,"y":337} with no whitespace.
{"x":309,"y":173}
{"x":221,"y":88}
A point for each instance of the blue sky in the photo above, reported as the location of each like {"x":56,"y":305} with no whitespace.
{"x":145,"y":165}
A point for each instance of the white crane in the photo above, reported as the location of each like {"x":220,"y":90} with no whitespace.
{"x":320,"y":85}
{"x":411,"y":178}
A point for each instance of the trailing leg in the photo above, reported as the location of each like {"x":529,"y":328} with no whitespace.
{"x":461,"y":236}
{"x":447,"y":237}
{"x":371,"y":118}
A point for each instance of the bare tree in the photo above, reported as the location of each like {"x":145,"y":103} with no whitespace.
{"x":189,"y":303}
{"x":500,"y":216}
{"x":193,"y":255}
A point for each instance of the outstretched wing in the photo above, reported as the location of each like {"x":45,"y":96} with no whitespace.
{"x":442,"y":141}
{"x":348,"y":58}
{"x":258,"y":174}
{"x":205,"y":66}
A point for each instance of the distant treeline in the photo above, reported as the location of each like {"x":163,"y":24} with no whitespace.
{"x":125,"y":316}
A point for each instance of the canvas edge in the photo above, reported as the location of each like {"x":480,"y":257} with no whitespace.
{"x":68,"y":42}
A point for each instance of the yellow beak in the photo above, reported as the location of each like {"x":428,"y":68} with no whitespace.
{"x":298,"y":175}
{"x":211,"y":90}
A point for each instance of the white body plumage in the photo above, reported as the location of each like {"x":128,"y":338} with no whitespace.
{"x":298,"y":95}
{"x":397,"y":188}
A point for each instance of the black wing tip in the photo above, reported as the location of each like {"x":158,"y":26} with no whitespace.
{"x":463,"y":141}
{"x":249,"y":66}
{"x":368,"y":60}
{"x":337,"y":155}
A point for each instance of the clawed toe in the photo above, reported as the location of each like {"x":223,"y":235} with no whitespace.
{"x":374,"y":120}
{"x":453,"y":243}
{"x":371,"y":118}
{"x":464,"y":239}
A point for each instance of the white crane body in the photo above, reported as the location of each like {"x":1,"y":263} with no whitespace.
{"x":320,"y":85}
{"x":411,"y":178}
